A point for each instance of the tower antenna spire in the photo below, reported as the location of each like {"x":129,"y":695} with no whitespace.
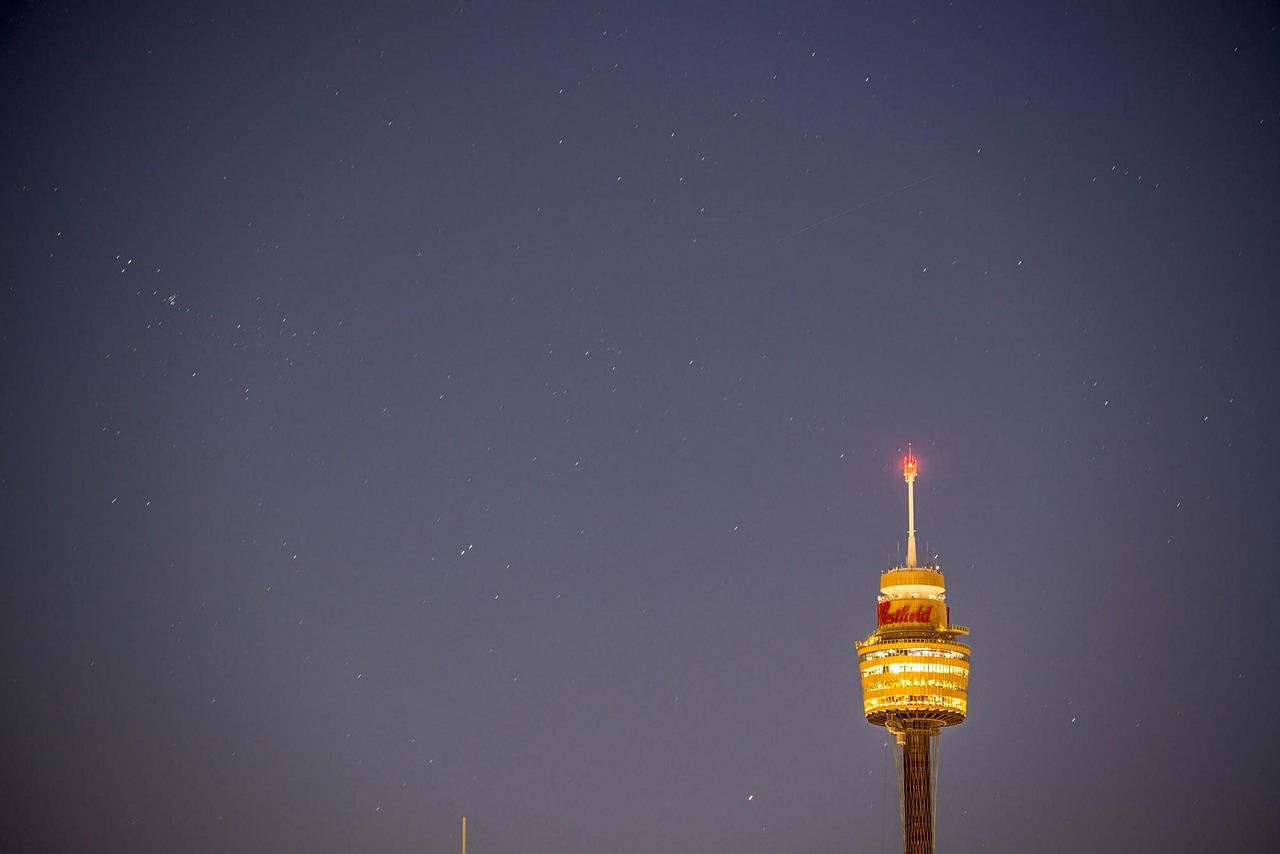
{"x":909,"y":468}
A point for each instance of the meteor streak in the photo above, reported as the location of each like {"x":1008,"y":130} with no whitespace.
{"x":859,"y":207}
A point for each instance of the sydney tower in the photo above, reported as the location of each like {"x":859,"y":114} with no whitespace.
{"x":915,"y":676}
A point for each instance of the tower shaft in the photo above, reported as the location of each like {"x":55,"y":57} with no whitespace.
{"x":919,"y":770}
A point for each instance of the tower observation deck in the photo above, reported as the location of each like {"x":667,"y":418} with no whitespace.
{"x":915,"y":676}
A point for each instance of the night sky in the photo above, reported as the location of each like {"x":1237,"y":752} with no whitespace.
{"x":417,"y":410}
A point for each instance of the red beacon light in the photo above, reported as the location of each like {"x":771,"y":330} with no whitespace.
{"x":909,"y":467}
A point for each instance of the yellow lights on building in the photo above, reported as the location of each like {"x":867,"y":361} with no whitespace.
{"x":927,"y":677}
{"x":914,"y":669}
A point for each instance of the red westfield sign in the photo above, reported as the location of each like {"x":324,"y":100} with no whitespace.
{"x":905,"y":614}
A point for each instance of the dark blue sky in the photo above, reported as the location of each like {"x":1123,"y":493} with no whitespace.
{"x":418,"y":410}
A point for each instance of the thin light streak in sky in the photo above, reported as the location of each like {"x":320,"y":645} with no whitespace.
{"x":858,"y":207}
